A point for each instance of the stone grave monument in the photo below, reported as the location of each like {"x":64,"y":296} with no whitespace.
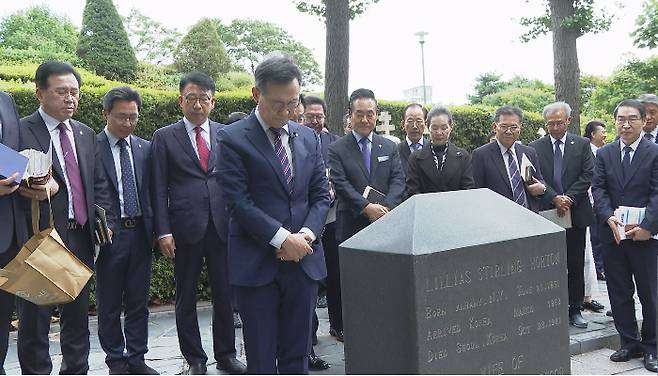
{"x":464,"y":282}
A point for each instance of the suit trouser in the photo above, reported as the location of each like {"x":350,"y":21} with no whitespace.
{"x":6,"y":307}
{"x":597,"y":248}
{"x":334,"y":301}
{"x":187,"y":268}
{"x":277,"y":321}
{"x":633,"y":261}
{"x":123,"y":275}
{"x":576,"y":266}
{"x":34,"y":322}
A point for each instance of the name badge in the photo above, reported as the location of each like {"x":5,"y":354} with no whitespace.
{"x":382,"y":158}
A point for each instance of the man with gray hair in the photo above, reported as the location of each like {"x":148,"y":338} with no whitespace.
{"x":566,"y":161}
{"x":650,"y":103}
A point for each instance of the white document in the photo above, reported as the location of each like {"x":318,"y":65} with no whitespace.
{"x":629,"y":215}
{"x":527,"y":168}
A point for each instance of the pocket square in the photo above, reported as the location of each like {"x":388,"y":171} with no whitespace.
{"x":383,"y":158}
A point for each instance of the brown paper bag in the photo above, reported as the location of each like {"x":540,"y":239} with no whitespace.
{"x":45,"y":272}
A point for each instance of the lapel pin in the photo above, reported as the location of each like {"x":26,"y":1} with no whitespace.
{"x":380,"y":145}
{"x":80,"y":132}
{"x":459,"y":153}
{"x":572,"y":142}
{"x":140,"y":145}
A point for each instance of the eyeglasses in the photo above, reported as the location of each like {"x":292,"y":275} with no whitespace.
{"x":506,"y":127}
{"x":311,"y":117}
{"x":65,"y":93}
{"x":555,"y":123}
{"x":280,"y":105}
{"x":411,"y":122}
{"x":629,"y":120}
{"x":123,"y":117}
{"x":203,"y":100}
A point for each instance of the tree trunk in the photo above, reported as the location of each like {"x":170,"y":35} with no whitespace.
{"x":565,"y":60}
{"x":337,"y":63}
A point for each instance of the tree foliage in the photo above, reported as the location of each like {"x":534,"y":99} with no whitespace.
{"x":319,"y":7}
{"x":585,"y":19}
{"x":202,"y":50}
{"x":103,"y":45}
{"x":153,"y":42}
{"x":38,"y":28}
{"x":646,"y":34}
{"x":247,"y":41}
{"x":486,"y":84}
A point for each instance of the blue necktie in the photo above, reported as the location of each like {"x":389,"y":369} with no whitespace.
{"x":416,"y":146}
{"x":518,"y":190}
{"x":557,"y":168}
{"x":365,"y":153}
{"x":648,"y":136}
{"x":626,"y":162}
{"x":282,"y":156}
{"x":127,"y":181}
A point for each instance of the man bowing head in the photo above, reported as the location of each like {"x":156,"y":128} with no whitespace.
{"x":274,"y":182}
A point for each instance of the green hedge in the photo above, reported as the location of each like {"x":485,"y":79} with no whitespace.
{"x":160,"y":107}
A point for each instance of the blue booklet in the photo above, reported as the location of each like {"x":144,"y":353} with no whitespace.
{"x":12,"y":162}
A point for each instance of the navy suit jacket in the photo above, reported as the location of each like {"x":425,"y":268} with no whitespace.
{"x":184,"y":197}
{"x":489,"y":170}
{"x":141,"y":151}
{"x":405,"y":151}
{"x":35,"y":135}
{"x":259,"y":202}
{"x":640,"y":189}
{"x":577,"y":171}
{"x":350,"y":178}
{"x":13,"y":219}
{"x":326,"y":139}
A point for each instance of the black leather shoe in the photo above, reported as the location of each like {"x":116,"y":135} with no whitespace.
{"x":624,"y":355}
{"x":119,"y":371}
{"x":316,"y":363}
{"x":650,"y":362}
{"x":232,"y":366}
{"x":593,"y":306}
{"x":197,"y":369}
{"x":577,"y":320}
{"x":338,"y":334}
{"x":237,"y":323}
{"x":142,"y":369}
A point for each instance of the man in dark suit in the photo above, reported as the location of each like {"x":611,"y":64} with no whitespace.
{"x":314,"y":115}
{"x":13,"y":232}
{"x":650,"y":129}
{"x":626,"y":174}
{"x":276,"y":190}
{"x":413,"y":122}
{"x":440,"y":166}
{"x":567,"y":164}
{"x":363,"y":159}
{"x":497,"y":165}
{"x":123,"y":268}
{"x":190,"y":221}
{"x":77,"y":170}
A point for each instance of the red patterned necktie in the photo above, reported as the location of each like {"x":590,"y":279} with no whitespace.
{"x":202,"y":148}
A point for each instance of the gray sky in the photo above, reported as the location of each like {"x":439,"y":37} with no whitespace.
{"x":467,"y":38}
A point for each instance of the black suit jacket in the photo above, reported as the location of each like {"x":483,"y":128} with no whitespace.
{"x":35,"y":135}
{"x":141,"y":153}
{"x":349,"y":177}
{"x":577,"y":172}
{"x":184,"y":197}
{"x":424,"y":177}
{"x":13,"y":219}
{"x":489,"y":170}
{"x":639,"y":189}
{"x":405,"y":151}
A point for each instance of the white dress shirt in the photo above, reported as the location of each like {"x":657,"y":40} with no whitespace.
{"x":503,"y":151}
{"x":633,"y":148}
{"x":191,"y":133}
{"x":116,"y":156}
{"x":52,"y":125}
{"x":282,"y":233}
{"x":564,"y":141}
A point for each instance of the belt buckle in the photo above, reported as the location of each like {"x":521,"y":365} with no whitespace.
{"x":129,"y":223}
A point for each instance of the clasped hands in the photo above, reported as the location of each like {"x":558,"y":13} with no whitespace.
{"x":295,"y":247}
{"x":375,"y":211}
{"x":562,"y":204}
{"x":637,"y":233}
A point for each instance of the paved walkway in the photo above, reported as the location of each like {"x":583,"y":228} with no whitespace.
{"x":590,"y":348}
